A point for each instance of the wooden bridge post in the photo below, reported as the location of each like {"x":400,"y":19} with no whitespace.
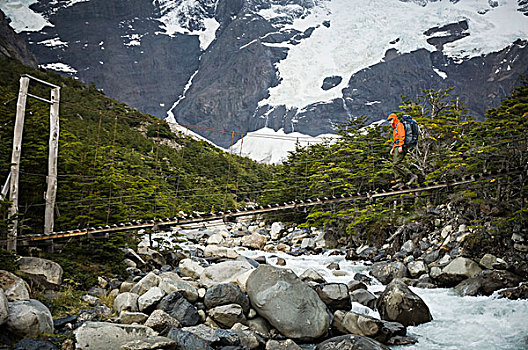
{"x":52,"y":162}
{"x":15,"y":162}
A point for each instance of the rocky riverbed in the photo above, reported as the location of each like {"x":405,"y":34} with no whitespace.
{"x":253,"y":285}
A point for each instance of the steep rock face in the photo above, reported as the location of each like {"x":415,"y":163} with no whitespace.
{"x":11,"y":45}
{"x":222,"y":75}
{"x":233,"y":76}
{"x":114,"y":44}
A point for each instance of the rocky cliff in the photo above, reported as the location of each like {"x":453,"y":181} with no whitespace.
{"x":299,"y":65}
{"x":11,"y":45}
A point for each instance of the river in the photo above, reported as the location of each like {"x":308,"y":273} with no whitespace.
{"x":468,"y":323}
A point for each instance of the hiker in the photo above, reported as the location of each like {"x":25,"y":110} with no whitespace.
{"x":398,"y":152}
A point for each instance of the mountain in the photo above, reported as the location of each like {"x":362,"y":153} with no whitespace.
{"x":288,"y":65}
{"x":12,"y":46}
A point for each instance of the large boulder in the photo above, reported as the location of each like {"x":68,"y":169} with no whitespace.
{"x":171,"y":282}
{"x":127,"y":317}
{"x":29,"y":318}
{"x":186,"y":340}
{"x":3,"y":307}
{"x":334,"y":295}
{"x":292,"y":307}
{"x":178,"y":307}
{"x":354,"y":323}
{"x":149,"y":281}
{"x":226,"y":293}
{"x":162,"y":322}
{"x":217,"y":338}
{"x":15,"y":288}
{"x":190,"y":268}
{"x":457,"y":270}
{"x":276,"y":229}
{"x":227,"y":315}
{"x":351,"y":342}
{"x":487,"y":282}
{"x":104,"y":335}
{"x":398,"y":303}
{"x":385,"y":272}
{"x":363,"y":297}
{"x":42,"y":272}
{"x":216,"y":251}
{"x":126,"y":302}
{"x":254,"y":240}
{"x":148,"y":301}
{"x":224,"y":272}
{"x":417,"y":268}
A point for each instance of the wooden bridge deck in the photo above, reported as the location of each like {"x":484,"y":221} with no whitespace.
{"x":104,"y":231}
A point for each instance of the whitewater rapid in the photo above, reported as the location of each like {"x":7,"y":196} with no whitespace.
{"x":458,"y":322}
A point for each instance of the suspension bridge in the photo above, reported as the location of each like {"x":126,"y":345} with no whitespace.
{"x":103,"y":231}
{"x":165,"y":223}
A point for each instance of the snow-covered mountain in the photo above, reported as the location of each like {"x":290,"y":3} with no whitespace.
{"x":291,"y":66}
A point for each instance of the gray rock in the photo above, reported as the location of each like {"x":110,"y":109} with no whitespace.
{"x":351,"y":342}
{"x":226,"y":293}
{"x":408,"y":247}
{"x":364,"y":297}
{"x":126,"y":302}
{"x":3,"y":307}
{"x":398,"y":303}
{"x":260,"y":326}
{"x":178,"y":307}
{"x":308,"y":243}
{"x":104,"y":335}
{"x":431,"y":257}
{"x":490,"y":261}
{"x":287,"y":344}
{"x":417,"y":268}
{"x":334,"y":295}
{"x":162,"y":322}
{"x":42,"y":272}
{"x":228,"y":315}
{"x":458,"y":270}
{"x":310,"y":275}
{"x":126,"y":287}
{"x":151,"y":280}
{"x":385,"y":272}
{"x":248,"y":338}
{"x":170,"y":284}
{"x":353,"y":285}
{"x":487,"y":282}
{"x":15,"y":288}
{"x":224,"y":272}
{"x":189,"y":268}
{"x":215,"y":337}
{"x":29,"y":318}
{"x":150,"y":343}
{"x":354,"y":323}
{"x":255,"y":241}
{"x":35,"y":344}
{"x":292,"y":307}
{"x":148,"y":301}
{"x":132,"y":317}
{"x":186,"y":340}
{"x":132,"y":255}
{"x":276,"y":229}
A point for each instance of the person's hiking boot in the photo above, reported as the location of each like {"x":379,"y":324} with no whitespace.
{"x":414,"y":179}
